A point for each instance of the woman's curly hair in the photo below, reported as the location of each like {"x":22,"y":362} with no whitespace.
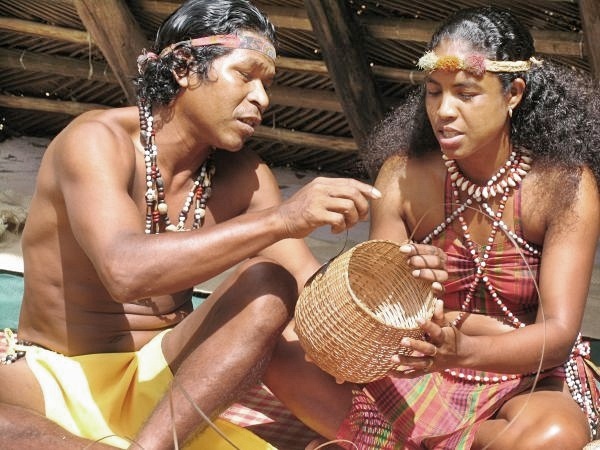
{"x":156,"y":83}
{"x":556,"y":121}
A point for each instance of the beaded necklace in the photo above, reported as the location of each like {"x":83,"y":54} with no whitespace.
{"x":495,"y":185}
{"x":156,"y":207}
{"x":508,"y":177}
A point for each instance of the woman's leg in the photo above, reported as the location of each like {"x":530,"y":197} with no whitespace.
{"x":546,"y":419}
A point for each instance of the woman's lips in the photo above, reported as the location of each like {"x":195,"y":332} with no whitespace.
{"x":449,"y":138}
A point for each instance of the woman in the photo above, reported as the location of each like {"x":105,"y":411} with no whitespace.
{"x":494,"y":160}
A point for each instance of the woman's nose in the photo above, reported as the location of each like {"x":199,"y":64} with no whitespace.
{"x":447,"y":108}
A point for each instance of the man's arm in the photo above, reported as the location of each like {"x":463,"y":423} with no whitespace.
{"x":106,"y":221}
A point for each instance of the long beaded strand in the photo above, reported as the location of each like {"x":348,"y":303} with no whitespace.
{"x":508,"y":177}
{"x":156,"y":207}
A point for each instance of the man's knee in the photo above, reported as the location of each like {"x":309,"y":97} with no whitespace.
{"x":270,"y":288}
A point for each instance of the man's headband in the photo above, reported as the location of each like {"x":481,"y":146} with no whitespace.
{"x":475,"y":64}
{"x":245,"y":41}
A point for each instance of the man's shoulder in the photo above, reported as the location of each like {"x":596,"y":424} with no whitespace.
{"x":95,"y":130}
{"x":116,"y":121}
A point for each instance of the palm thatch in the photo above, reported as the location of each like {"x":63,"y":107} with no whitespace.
{"x":342,"y":64}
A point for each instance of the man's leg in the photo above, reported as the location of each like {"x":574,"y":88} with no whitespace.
{"x":221,"y":349}
{"x":22,"y":423}
{"x":311,"y":394}
{"x":22,"y":429}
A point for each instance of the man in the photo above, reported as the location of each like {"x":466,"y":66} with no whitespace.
{"x":105,"y":276}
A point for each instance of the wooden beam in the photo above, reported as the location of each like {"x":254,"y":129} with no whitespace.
{"x":44,"y":31}
{"x":160,"y":8}
{"x":340,"y":39}
{"x":304,"y":98}
{"x":319,"y":67}
{"x":290,"y":18}
{"x":590,"y":20}
{"x":284,"y":136}
{"x":545,"y":41}
{"x":333,"y":143}
{"x":549,"y":42}
{"x":301,"y":65}
{"x":47,"y":105}
{"x":59,"y":65}
{"x":399,"y":29}
{"x":118,"y":36}
{"x":76,"y":68}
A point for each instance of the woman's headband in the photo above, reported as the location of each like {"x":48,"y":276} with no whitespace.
{"x":245,"y":41}
{"x":475,"y":64}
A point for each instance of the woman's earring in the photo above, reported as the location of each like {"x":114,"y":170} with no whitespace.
{"x":510,"y":112}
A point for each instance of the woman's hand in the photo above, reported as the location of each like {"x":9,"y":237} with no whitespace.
{"x":428,"y":263}
{"x":434,"y":353}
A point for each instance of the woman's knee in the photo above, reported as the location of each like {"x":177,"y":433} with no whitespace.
{"x":555,"y":430}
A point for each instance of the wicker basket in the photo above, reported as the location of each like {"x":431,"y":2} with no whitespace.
{"x":353,"y":313}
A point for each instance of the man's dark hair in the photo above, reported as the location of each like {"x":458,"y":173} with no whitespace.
{"x":194,"y":19}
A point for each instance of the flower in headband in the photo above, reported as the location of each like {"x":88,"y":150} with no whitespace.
{"x":475,"y":64}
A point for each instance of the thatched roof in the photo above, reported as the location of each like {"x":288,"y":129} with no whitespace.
{"x":343,"y":63}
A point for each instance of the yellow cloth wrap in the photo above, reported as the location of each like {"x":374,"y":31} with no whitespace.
{"x":108,"y":396}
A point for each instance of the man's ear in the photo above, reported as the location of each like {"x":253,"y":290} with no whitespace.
{"x":182,"y":80}
{"x":515,"y":93}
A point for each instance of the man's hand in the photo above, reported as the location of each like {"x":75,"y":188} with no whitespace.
{"x":337,"y":202}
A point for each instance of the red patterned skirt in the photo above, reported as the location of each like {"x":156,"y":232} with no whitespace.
{"x":436,"y":410}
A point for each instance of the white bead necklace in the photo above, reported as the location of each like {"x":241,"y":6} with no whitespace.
{"x":497,"y":183}
{"x":157,"y":210}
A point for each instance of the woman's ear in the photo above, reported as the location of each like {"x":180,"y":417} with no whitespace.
{"x":515,"y":93}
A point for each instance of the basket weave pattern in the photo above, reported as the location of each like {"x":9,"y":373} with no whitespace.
{"x":351,"y":316}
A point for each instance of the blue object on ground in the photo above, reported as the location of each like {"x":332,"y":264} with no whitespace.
{"x":11,"y":293}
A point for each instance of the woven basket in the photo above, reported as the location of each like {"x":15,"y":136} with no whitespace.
{"x":353,"y":313}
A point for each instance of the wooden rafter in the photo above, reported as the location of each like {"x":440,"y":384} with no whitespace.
{"x":400,"y":29}
{"x":590,"y":20}
{"x":340,"y":39}
{"x":59,"y":65}
{"x":117,"y":34}
{"x":295,"y":64}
